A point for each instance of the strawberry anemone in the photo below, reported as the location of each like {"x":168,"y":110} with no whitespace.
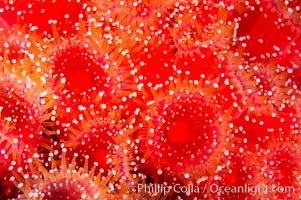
{"x":185,"y":135}
{"x":24,"y":111}
{"x":88,"y":66}
{"x":79,"y":71}
{"x":278,"y":165}
{"x":17,"y":43}
{"x":262,"y":86}
{"x":24,"y":118}
{"x":101,"y":135}
{"x":65,"y":180}
{"x":200,"y":40}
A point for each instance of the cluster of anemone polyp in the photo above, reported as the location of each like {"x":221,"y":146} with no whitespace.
{"x":150,"y":99}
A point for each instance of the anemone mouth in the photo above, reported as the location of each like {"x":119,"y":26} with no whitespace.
{"x":191,"y":118}
{"x":80,"y":70}
{"x":185,"y":133}
{"x":210,"y":30}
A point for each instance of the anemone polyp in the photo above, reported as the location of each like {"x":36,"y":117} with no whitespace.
{"x":263,"y":86}
{"x":65,"y":180}
{"x":210,"y":30}
{"x":99,"y":70}
{"x":24,"y":110}
{"x":200,"y":40}
{"x":24,"y":118}
{"x":101,"y":135}
{"x":185,"y":130}
{"x":17,"y":44}
{"x":278,"y":165}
